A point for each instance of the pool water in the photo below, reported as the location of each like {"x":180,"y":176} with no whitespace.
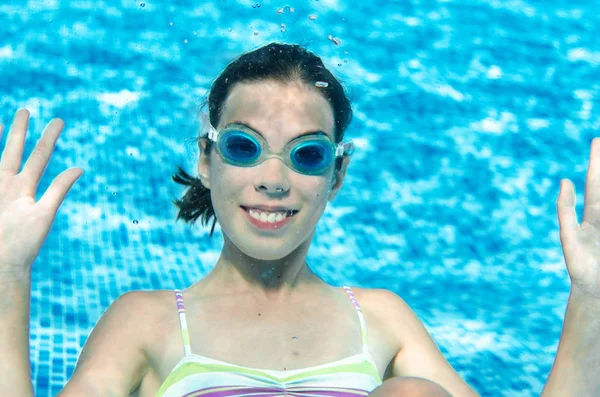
{"x":467,"y":115}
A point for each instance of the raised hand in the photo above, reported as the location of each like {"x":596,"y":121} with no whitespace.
{"x":24,"y":224}
{"x":581,"y":243}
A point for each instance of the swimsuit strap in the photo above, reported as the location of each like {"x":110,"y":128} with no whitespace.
{"x":363,"y":326}
{"x":186,"y":336}
{"x":182,"y":321}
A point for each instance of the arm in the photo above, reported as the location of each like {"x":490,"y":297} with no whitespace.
{"x":15,"y":372}
{"x":112,"y":362}
{"x":24,"y":226}
{"x":419,"y":355}
{"x":575,"y":371}
{"x":576,"y":367}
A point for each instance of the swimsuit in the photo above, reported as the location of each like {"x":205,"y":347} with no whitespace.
{"x":196,"y":375}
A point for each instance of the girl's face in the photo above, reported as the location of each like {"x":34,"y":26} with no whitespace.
{"x":280,"y":112}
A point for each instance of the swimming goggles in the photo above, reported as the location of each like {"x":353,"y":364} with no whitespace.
{"x":241,"y":146}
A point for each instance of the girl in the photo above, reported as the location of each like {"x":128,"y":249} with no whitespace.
{"x":261,"y":322}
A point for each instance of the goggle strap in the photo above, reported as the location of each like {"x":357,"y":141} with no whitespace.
{"x":212,"y":134}
{"x":343,"y":147}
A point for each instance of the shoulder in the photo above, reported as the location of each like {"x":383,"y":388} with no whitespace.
{"x":375,"y":299}
{"x":134,"y":315}
{"x":127,"y":308}
{"x":395,"y":315}
{"x":143,"y":313}
{"x":148,"y":307}
{"x":379,"y":298}
{"x":377,"y":295}
{"x":140,"y":305}
{"x":152,"y":315}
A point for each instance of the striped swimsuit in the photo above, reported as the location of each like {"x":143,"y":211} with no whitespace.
{"x":196,"y":375}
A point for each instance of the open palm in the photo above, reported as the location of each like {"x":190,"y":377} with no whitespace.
{"x":24,"y":224}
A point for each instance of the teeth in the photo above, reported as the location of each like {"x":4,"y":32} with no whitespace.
{"x":270,"y":217}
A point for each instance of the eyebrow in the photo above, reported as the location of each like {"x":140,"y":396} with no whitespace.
{"x":318,"y":132}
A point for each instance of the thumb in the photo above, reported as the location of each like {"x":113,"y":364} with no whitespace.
{"x":565,"y":205}
{"x":80,"y":175}
{"x":57,"y":191}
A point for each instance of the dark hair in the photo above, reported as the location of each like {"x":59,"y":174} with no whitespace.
{"x":280,"y":62}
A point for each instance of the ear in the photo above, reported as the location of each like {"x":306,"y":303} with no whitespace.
{"x":203,"y":163}
{"x":338,"y":178}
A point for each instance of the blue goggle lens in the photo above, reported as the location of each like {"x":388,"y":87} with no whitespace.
{"x":240,"y":147}
{"x":311,"y":156}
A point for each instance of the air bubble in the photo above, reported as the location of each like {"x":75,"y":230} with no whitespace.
{"x":135,"y":222}
{"x":142,"y":4}
{"x":281,"y":10}
{"x":335,"y":40}
{"x":312,"y":17}
{"x":322,"y":84}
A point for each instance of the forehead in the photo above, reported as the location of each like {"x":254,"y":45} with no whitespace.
{"x":278,"y":109}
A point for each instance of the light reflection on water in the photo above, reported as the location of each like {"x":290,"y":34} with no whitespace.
{"x":468,"y":114}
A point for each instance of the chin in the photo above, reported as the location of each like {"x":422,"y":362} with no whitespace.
{"x":263,"y":253}
{"x":264,"y":248}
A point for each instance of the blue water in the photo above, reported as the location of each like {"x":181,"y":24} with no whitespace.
{"x":467,"y":115}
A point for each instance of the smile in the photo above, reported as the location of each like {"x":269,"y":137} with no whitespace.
{"x":268,"y":220}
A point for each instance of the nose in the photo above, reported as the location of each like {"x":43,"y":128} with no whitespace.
{"x":273,"y":176}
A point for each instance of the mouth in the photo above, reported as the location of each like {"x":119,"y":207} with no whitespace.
{"x":288,"y":213}
{"x":279,"y":223}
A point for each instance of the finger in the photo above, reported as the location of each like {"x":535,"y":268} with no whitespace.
{"x":38,"y":161}
{"x":567,"y":216}
{"x":57,"y":191}
{"x":13,"y":151}
{"x":591,"y":206}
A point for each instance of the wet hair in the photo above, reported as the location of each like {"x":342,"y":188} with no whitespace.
{"x":279,"y":62}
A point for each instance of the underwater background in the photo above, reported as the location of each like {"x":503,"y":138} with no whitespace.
{"x":467,"y":115}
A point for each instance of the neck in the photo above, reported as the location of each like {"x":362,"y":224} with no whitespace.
{"x":268,"y":281}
